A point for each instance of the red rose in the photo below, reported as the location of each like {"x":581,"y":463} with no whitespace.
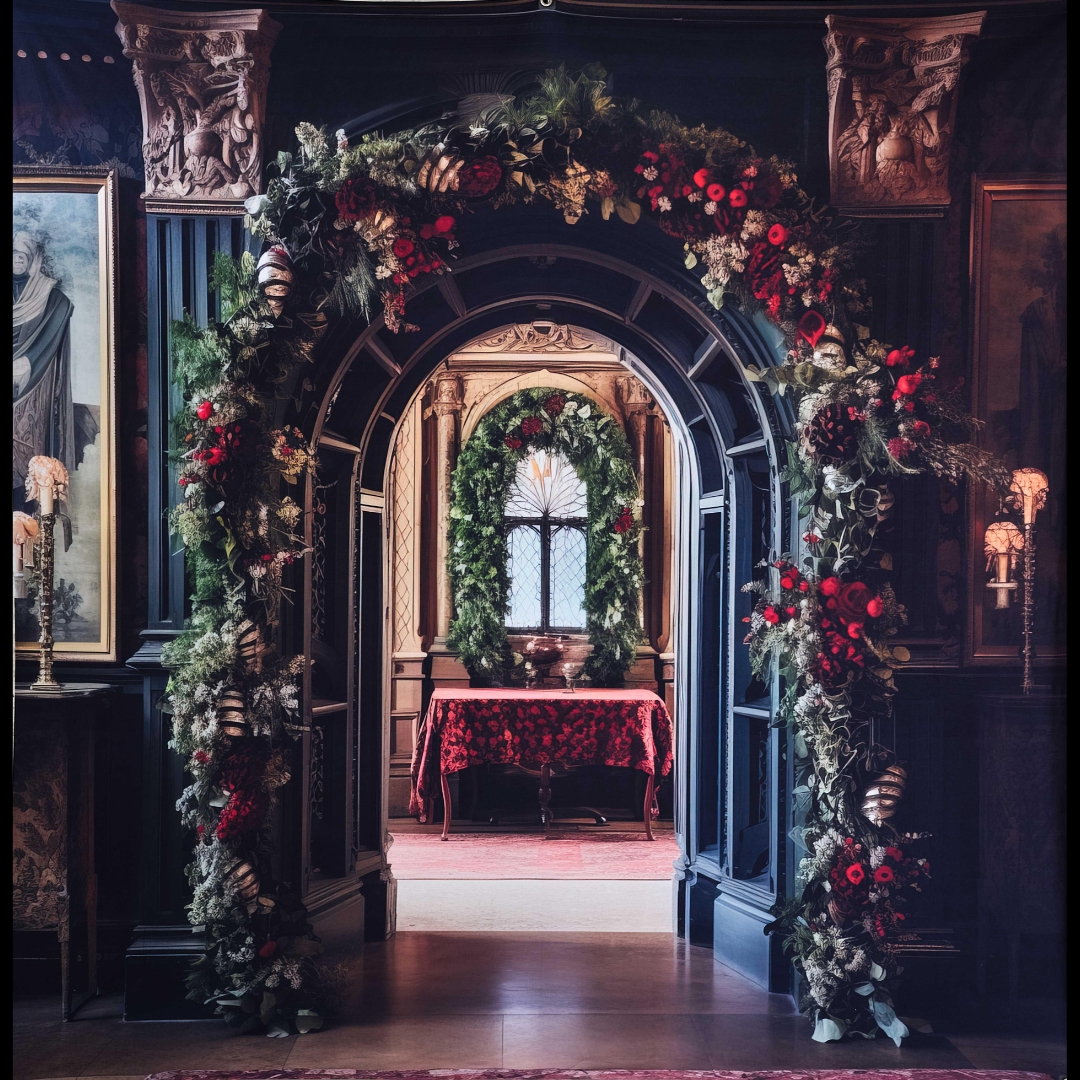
{"x":625,"y":521}
{"x":531,"y":425}
{"x":922,"y":428}
{"x":787,"y":583}
{"x":737,"y":197}
{"x":701,"y":177}
{"x":355,"y":199}
{"x":480,"y":177}
{"x":777,"y":234}
{"x":852,"y":601}
{"x":513,"y":442}
{"x":205,"y":410}
{"x":883,"y":875}
{"x":554,"y":404}
{"x":855,"y":873}
{"x":791,"y":612}
{"x":900,"y":356}
{"x":770,"y":615}
{"x":830,"y":586}
{"x":444,"y":224}
{"x":875,"y":608}
{"x":894,"y":853}
{"x":715,"y":192}
{"x":268,"y":950}
{"x":403,"y":247}
{"x":908,"y":384}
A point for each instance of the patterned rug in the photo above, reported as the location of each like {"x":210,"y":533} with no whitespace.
{"x":608,"y":856}
{"x":600,"y":1074}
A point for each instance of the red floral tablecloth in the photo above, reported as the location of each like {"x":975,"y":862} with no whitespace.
{"x":628,"y":728}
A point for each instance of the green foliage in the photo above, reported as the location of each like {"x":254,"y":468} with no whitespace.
{"x":592,"y":441}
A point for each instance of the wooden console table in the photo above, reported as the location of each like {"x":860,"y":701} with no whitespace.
{"x":544,"y":730}
{"x":55,"y":879}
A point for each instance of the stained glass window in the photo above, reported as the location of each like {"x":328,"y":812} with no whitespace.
{"x":545,"y":523}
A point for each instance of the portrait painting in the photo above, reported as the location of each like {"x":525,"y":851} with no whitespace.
{"x":1018,"y":272}
{"x":63,"y":365}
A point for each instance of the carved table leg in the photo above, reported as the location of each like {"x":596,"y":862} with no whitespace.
{"x":545,"y":796}
{"x":446,"y":804}
{"x":650,"y":788}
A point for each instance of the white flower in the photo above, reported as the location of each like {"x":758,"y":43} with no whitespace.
{"x":663,"y":203}
{"x":695,"y":196}
{"x":650,"y":173}
{"x":477,"y":131}
{"x":709,"y":208}
{"x":754,"y":225}
{"x":383,"y":271}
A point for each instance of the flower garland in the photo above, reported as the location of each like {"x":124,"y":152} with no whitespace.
{"x":592,"y":441}
{"x":367,"y":222}
{"x":233,"y":705}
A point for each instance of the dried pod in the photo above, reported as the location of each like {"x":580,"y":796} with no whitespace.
{"x":275,"y":277}
{"x":883,"y":795}
{"x":242,"y":879}
{"x":438,"y":173}
{"x":382,"y":221}
{"x":231,"y":714}
{"x":251,"y":648}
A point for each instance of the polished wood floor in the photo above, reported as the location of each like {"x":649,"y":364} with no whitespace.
{"x":512,"y":1000}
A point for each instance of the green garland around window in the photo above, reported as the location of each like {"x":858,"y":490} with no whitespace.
{"x":592,"y":441}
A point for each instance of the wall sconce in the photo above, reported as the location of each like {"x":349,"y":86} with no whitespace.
{"x":1003,"y":543}
{"x":1029,"y":489}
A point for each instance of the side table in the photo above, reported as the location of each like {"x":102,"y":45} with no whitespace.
{"x":54,"y":877}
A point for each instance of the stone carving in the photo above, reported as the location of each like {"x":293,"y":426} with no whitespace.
{"x":893,"y":90}
{"x":201,"y":78}
{"x":540,"y":337}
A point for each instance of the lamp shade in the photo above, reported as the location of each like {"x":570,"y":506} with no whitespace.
{"x":1029,"y":489}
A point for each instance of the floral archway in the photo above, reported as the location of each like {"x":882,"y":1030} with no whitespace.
{"x":353,"y":226}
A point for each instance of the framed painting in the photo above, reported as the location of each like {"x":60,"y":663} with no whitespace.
{"x":1018,"y":279}
{"x":63,"y":392}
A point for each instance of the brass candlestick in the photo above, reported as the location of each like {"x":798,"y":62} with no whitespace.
{"x":45,"y":680}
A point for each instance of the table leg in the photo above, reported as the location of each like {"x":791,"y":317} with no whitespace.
{"x":545,"y":796}
{"x":650,"y":787}
{"x":446,"y":804}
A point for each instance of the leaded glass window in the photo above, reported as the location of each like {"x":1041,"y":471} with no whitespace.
{"x":545,"y":519}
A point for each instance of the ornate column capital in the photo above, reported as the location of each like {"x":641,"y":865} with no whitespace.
{"x":633,"y":395}
{"x":448,"y":395}
{"x":893,"y":91}
{"x":201,"y":78}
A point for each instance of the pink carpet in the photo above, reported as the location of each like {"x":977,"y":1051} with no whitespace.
{"x":613,"y":856}
{"x":599,"y":1074}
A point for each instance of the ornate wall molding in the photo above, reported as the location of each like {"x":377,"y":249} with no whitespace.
{"x":540,"y":337}
{"x":893,"y":90}
{"x":202,"y":79}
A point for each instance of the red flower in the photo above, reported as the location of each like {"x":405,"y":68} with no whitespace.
{"x":787,"y":583}
{"x":791,"y":612}
{"x":811,"y":327}
{"x":403,"y":247}
{"x":883,"y":875}
{"x":811,"y":538}
{"x":874,"y":608}
{"x":480,"y":177}
{"x":830,"y":586}
{"x":701,"y":178}
{"x":899,"y":448}
{"x":900,"y":356}
{"x":855,"y":873}
{"x":444,"y":224}
{"x":770,"y":615}
{"x":737,"y":197}
{"x":268,"y":950}
{"x":625,"y":521}
{"x":531,"y":425}
{"x":205,"y":410}
{"x":715,"y":192}
{"x":355,"y":199}
{"x":922,"y":428}
{"x":201,"y":757}
{"x":854,"y":631}
{"x":777,"y":234}
{"x":554,"y":404}
{"x":513,"y":442}
{"x":852,"y":601}
{"x":894,"y":853}
{"x":907,"y":384}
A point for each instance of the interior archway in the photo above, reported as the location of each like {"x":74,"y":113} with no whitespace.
{"x":730,"y":795}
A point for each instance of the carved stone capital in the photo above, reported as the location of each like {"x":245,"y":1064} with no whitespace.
{"x":893,"y":91}
{"x":448,"y":395}
{"x":201,"y":78}
{"x":633,"y":395}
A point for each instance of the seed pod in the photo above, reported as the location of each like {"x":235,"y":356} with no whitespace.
{"x":231,"y":714}
{"x":380,"y":222}
{"x":275,"y":276}
{"x":883,"y":795}
{"x":243,"y":880}
{"x":251,"y":648}
{"x":439,"y":171}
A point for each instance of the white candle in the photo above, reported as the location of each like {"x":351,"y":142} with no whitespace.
{"x":45,"y":498}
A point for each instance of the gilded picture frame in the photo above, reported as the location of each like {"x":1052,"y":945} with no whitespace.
{"x":64,"y":230}
{"x":1019,"y":362}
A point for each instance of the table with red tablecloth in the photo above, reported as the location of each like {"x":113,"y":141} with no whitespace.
{"x":539,"y":730}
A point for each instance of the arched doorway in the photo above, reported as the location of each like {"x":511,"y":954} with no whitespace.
{"x":731,"y":792}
